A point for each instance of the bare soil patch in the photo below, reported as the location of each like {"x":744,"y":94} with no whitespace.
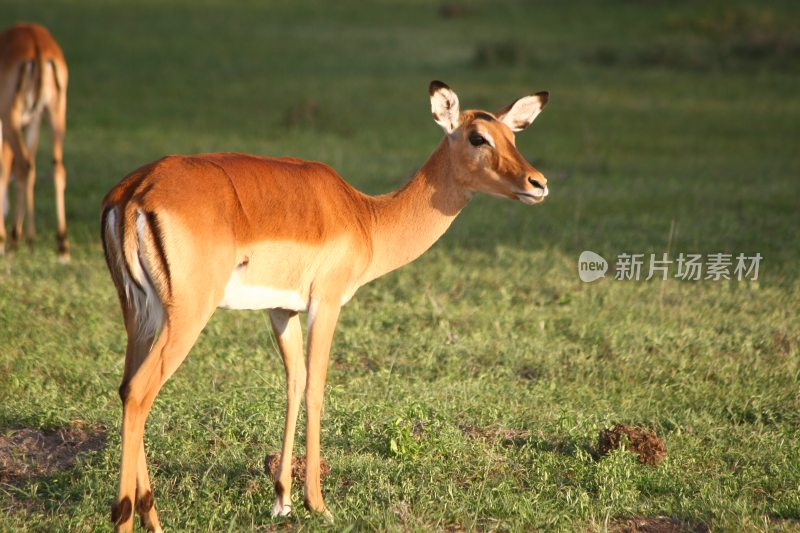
{"x":643,"y":442}
{"x":31,"y":453}
{"x":273,"y":462}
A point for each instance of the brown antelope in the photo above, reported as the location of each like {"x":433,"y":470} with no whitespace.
{"x":186,"y":235}
{"x":33,"y":79}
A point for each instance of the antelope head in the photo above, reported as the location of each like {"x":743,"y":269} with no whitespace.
{"x":482,"y":145}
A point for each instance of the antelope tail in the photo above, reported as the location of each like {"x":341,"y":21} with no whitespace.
{"x":135,"y":257}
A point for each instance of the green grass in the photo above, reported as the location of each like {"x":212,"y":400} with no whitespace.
{"x":467,"y":390}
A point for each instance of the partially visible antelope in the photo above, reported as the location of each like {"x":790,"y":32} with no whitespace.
{"x":33,"y":81}
{"x":188,"y":234}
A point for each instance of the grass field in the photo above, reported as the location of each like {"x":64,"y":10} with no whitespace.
{"x":466,"y":391}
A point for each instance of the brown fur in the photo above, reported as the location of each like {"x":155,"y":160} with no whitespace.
{"x":145,"y":503}
{"x":121,"y":512}
{"x":279,"y":490}
{"x":289,"y":225}
{"x":33,"y":80}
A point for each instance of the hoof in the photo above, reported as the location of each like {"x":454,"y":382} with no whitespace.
{"x":280,"y":510}
{"x":324,"y":512}
{"x":63,"y":249}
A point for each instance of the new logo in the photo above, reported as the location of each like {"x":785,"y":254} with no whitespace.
{"x":591,"y":266}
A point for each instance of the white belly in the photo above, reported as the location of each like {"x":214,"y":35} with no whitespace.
{"x":239,"y":295}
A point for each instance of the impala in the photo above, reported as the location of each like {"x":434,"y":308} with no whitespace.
{"x":186,"y":235}
{"x":33,"y":80}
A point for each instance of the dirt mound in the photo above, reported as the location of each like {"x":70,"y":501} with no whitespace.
{"x":658,"y":524}
{"x":642,"y":442}
{"x":31,"y":453}
{"x":273,"y":462}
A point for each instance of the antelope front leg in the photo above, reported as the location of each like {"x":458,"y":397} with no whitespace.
{"x":322,"y":319}
{"x":286,"y":326}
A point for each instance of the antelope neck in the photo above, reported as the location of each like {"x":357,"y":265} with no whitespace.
{"x":409,"y":221}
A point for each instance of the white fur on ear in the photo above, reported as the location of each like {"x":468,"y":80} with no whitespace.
{"x":444,"y":106}
{"x":521,"y":113}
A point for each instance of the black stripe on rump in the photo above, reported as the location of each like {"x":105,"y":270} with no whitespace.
{"x":158,"y":240}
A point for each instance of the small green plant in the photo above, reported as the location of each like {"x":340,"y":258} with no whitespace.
{"x":400,"y":439}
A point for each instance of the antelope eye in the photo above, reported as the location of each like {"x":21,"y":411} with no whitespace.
{"x":476,"y":139}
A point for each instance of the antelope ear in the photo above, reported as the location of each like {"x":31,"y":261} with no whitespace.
{"x":444,"y":106}
{"x":521,"y":113}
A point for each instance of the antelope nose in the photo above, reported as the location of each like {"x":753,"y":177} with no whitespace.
{"x":536,"y":183}
{"x":539,"y":186}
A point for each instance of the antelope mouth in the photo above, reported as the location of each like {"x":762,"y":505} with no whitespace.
{"x":530,"y":198}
